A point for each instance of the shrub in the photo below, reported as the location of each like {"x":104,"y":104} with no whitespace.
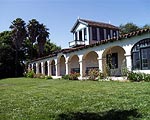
{"x":137,"y":77}
{"x":48,"y":77}
{"x":74,"y":76}
{"x":39,"y":75}
{"x":93,"y":74}
{"x":66,"y":77}
{"x":30,"y":74}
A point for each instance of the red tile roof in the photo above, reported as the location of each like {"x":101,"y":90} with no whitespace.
{"x":68,"y":50}
{"x":99,"y":24}
{"x":94,"y":24}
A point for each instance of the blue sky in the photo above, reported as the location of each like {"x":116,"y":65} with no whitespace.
{"x":60,"y":15}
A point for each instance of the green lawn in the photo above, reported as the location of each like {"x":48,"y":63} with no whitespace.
{"x":40,"y":99}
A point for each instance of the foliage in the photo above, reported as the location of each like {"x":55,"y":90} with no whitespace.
{"x":48,"y":77}
{"x":74,"y":76}
{"x":21,"y":44}
{"x":7,"y":53}
{"x":128,"y":27}
{"x":93,"y":74}
{"x":137,"y":77}
{"x":49,"y":48}
{"x":40,"y":99}
{"x":30,"y":74}
{"x":147,"y":26}
{"x":66,"y":77}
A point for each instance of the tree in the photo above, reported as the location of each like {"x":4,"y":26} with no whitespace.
{"x":32,"y":29}
{"x":16,"y":46}
{"x":19,"y":34}
{"x":127,"y":28}
{"x":43,"y":34}
{"x":49,"y":48}
{"x":146,"y":26}
{"x":7,"y":53}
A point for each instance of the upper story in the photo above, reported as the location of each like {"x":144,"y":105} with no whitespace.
{"x":86,"y":32}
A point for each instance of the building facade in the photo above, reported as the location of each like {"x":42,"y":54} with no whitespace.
{"x":98,"y":45}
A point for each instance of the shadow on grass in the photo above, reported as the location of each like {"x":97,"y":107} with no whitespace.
{"x":108,"y":115}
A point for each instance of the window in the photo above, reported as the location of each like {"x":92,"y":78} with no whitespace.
{"x":85,"y":34}
{"x":76,"y":36}
{"x":112,"y":60}
{"x":108,"y":36}
{"x":80,"y":35}
{"x":101,"y":32}
{"x":75,"y":70}
{"x":94,"y":33}
{"x":114,"y":33}
{"x":141,"y":55}
{"x":145,"y":56}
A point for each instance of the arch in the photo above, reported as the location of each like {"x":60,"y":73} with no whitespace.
{"x":53,"y":68}
{"x":40,"y":67}
{"x":46,"y":67}
{"x":113,"y":58}
{"x":62,"y":65}
{"x":74,"y":64}
{"x":30,"y":66}
{"x":140,"y":55}
{"x":34,"y":67}
{"x":90,"y":61}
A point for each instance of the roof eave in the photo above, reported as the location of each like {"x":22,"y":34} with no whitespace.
{"x":76,"y":24}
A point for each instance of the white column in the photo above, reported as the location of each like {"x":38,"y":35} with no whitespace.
{"x":82,"y":34}
{"x":67,"y":68}
{"x":43,"y":68}
{"x":74,"y":36}
{"x":100,"y":64}
{"x":117,"y":34}
{"x":37,"y":68}
{"x":128,"y":62}
{"x":81,"y":68}
{"x":77,"y":35}
{"x":48,"y":66}
{"x":57,"y":67}
{"x":87,"y":35}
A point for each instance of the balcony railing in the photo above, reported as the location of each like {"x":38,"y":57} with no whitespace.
{"x":76,"y":43}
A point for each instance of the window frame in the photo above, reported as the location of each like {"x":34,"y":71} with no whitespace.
{"x":137,"y":48}
{"x":94,"y":33}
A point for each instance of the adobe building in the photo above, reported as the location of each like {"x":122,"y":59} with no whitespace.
{"x":98,"y":45}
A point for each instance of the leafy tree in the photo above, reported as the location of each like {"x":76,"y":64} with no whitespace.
{"x":43,"y":34}
{"x":19,"y":35}
{"x":146,"y":26}
{"x":33,"y":33}
{"x":6,"y":55}
{"x":21,"y":44}
{"x":127,"y":28}
{"x":49,"y":48}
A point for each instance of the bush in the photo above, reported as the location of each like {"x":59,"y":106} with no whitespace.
{"x":48,"y":77}
{"x":39,"y":75}
{"x":30,"y":74}
{"x":93,"y":74}
{"x":66,"y":77}
{"x":137,"y":77}
{"x":74,"y":76}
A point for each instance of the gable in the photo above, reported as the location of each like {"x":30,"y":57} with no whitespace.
{"x":78,"y":25}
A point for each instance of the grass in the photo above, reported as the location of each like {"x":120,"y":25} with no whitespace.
{"x":40,"y":99}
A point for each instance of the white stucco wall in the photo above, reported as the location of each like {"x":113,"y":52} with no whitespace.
{"x":126,"y":44}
